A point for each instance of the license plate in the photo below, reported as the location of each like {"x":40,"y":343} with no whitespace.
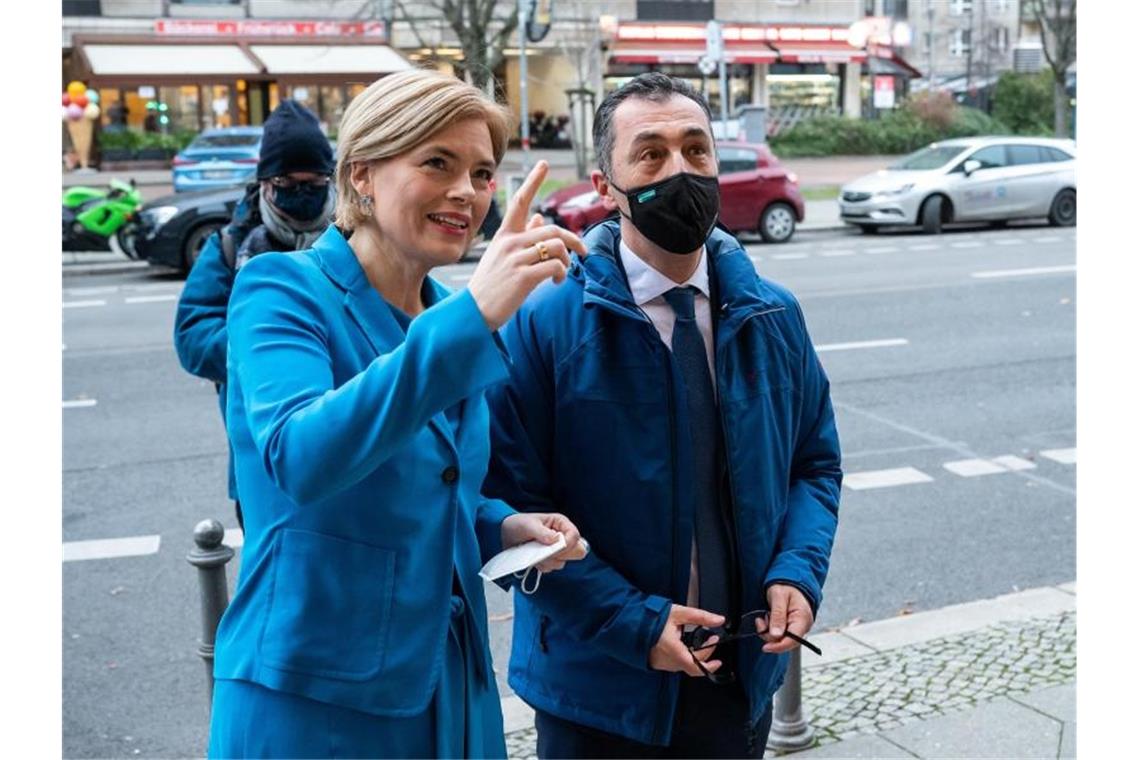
{"x":218,"y":174}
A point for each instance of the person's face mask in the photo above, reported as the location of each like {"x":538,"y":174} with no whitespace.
{"x":303,"y":201}
{"x":677,"y":213}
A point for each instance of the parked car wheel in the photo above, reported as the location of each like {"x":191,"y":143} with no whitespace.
{"x":868,"y":229}
{"x":125,"y":240}
{"x":931,"y":215}
{"x":1063,"y":212}
{"x":194,"y":242}
{"x":777,"y":223}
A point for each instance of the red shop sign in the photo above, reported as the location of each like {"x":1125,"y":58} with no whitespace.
{"x":270,"y":28}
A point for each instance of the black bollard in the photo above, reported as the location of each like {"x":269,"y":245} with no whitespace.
{"x":210,"y":557}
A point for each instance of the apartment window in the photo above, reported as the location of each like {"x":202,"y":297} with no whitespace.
{"x":999,"y":39}
{"x":675,"y":10}
{"x":960,"y":42}
{"x":960,"y":7}
{"x":1001,"y":6}
{"x":928,"y":40}
{"x":895,"y":8}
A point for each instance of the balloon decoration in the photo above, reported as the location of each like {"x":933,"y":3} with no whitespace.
{"x":79,"y":113}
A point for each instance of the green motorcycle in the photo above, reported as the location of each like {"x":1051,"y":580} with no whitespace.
{"x":93,"y":217}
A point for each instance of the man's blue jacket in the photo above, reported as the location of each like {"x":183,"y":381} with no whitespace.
{"x":588,"y":425}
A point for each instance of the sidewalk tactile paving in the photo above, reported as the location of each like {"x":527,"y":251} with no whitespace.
{"x":872,"y":693}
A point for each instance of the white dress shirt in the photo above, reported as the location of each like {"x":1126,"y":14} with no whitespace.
{"x":648,"y":287}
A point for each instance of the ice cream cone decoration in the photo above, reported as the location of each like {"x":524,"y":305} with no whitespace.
{"x":80,"y":110}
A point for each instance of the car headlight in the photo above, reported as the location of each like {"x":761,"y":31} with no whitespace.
{"x":895,"y":191}
{"x":160,"y":215}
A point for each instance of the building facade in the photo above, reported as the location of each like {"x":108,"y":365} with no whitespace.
{"x":964,"y":45}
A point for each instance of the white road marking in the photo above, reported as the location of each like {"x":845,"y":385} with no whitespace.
{"x":885,"y":343}
{"x":839,"y":252}
{"x":1064,"y":456}
{"x":884,"y":249}
{"x":1023,"y":272}
{"x":788,"y":256}
{"x":152,"y":299}
{"x":91,"y":291}
{"x":1047,"y":240}
{"x":972,"y":468}
{"x":966,"y":245}
{"x":111,"y":548}
{"x":233,"y":538}
{"x":79,"y":403}
{"x":460,"y":278}
{"x":82,"y":304}
{"x":901,"y":476}
{"x":1014,"y":464}
{"x":1005,"y":241}
{"x":923,"y":247}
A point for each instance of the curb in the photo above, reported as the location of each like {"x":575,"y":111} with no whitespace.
{"x":111,"y":267}
{"x":891,"y":633}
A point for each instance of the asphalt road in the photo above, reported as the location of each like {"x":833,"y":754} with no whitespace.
{"x":945,"y":354}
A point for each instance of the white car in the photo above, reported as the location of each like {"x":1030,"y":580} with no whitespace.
{"x":972,"y":179}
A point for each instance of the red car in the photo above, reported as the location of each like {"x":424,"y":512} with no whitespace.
{"x":756,"y":195}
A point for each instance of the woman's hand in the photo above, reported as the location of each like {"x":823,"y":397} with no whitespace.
{"x":521,"y":255}
{"x":527,"y":526}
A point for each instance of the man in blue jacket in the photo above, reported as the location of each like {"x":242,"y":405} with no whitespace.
{"x":286,"y":209}
{"x":669,"y":401}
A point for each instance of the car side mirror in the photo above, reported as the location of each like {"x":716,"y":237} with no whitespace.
{"x":971,"y":166}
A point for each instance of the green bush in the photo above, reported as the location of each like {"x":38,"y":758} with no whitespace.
{"x":122,"y":140}
{"x":1025,"y":102}
{"x":899,"y":131}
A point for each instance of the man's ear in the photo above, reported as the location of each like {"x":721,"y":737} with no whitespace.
{"x":602,"y":188}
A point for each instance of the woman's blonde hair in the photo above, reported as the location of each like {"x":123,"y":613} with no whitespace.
{"x":396,"y":114}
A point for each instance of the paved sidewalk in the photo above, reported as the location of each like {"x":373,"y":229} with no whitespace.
{"x":992,"y":678}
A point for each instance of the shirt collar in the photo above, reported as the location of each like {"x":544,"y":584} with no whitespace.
{"x":646,"y":283}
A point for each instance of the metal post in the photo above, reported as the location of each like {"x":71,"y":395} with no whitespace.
{"x":210,"y":557}
{"x":790,"y":730}
{"x":724,"y":95}
{"x":524,"y":105}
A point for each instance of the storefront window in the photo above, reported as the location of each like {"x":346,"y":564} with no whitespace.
{"x":333,"y":102}
{"x":114,"y":115}
{"x":181,"y":108}
{"x":134,"y":101}
{"x":242,"y":104}
{"x":216,"y":109}
{"x":816,"y":89}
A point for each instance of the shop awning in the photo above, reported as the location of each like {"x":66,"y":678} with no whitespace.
{"x":322,"y":60}
{"x":108,"y":60}
{"x":645,"y":51}
{"x":884,"y":60}
{"x":817,"y":52}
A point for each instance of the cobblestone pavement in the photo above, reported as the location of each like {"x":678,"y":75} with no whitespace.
{"x":877,"y":692}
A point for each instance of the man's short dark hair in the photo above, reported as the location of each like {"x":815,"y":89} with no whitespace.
{"x":653,"y":86}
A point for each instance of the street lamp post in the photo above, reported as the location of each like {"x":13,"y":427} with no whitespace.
{"x":524,"y":114}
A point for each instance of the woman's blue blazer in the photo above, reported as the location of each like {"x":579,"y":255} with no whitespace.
{"x":361,"y":500}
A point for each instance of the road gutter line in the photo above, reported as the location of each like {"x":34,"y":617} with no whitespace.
{"x":82,"y":304}
{"x":79,"y":403}
{"x":1023,"y":272}
{"x":885,"y":343}
{"x":151,"y":299}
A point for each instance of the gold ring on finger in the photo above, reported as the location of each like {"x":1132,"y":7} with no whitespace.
{"x":543,"y":254}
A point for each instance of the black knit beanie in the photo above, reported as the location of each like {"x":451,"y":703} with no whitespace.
{"x":293,"y":142}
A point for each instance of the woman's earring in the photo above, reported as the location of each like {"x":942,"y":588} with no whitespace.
{"x":366,"y":202}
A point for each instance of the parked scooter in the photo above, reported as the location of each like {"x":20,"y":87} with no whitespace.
{"x":96,"y":219}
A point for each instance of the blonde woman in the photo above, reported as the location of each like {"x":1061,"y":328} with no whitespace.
{"x":360,"y":437}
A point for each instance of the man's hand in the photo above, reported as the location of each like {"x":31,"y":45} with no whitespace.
{"x":670,"y":655}
{"x":529,"y":526}
{"x":788,"y":611}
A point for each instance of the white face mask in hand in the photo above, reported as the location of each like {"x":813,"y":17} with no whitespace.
{"x":521,"y":560}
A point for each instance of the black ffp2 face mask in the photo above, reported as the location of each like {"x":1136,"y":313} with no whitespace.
{"x":676,"y":213}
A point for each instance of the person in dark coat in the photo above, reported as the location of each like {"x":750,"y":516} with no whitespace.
{"x":285,"y":209}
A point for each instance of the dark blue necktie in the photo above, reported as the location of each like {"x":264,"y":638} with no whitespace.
{"x":711,"y":534}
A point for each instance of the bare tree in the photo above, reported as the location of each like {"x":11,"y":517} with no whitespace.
{"x":482,"y":27}
{"x":1057,"y":20}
